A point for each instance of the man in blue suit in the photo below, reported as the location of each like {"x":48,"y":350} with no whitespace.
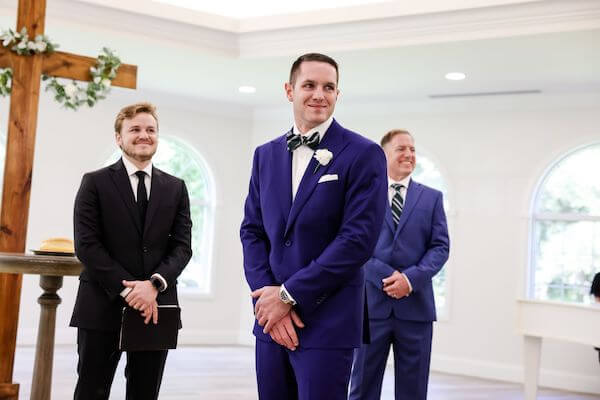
{"x":413,"y":246}
{"x":313,"y":213}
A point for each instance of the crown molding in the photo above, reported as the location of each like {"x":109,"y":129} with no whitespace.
{"x":101,"y":16}
{"x":220,"y":35}
{"x":473,"y":24}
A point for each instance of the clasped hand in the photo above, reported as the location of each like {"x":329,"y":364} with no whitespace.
{"x":142,"y":297}
{"x":277,"y":318}
{"x":396,"y":285}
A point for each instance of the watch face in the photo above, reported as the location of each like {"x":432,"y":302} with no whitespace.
{"x":283,"y":297}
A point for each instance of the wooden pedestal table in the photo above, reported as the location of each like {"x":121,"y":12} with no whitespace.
{"x":51,"y":270}
{"x":537,"y":320}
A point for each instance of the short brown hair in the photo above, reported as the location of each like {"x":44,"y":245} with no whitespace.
{"x":390,"y":135}
{"x":132,"y":110}
{"x":313,"y":57}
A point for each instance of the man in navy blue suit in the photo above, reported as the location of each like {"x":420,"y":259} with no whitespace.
{"x":413,"y":246}
{"x":314,"y":209}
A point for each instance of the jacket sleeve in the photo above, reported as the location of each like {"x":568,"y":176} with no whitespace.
{"x":437,"y":252}
{"x":362,"y":216}
{"x":88,"y":241}
{"x":377,"y":270}
{"x":255,"y":242}
{"x":179,"y":249}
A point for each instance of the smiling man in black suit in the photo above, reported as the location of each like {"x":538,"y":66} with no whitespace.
{"x":132,"y":234}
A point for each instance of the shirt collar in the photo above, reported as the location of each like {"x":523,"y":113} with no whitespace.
{"x":132,"y":169}
{"x":321,"y":128}
{"x":404,"y":182}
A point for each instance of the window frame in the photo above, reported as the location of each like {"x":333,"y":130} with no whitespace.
{"x":535,"y":217}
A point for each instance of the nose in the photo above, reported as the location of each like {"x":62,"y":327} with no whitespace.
{"x":318,"y":94}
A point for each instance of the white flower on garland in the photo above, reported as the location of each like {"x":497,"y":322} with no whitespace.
{"x":71,"y":95}
{"x":70,"y":90}
{"x":23,"y":46}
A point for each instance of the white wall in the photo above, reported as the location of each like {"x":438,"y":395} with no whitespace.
{"x":492,"y":152}
{"x":71,"y":143}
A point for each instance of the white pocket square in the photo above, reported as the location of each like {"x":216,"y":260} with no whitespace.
{"x":328,"y":177}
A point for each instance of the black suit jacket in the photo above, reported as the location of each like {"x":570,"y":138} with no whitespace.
{"x":112,"y":247}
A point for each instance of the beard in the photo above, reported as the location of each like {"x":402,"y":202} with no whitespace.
{"x":138,"y":156}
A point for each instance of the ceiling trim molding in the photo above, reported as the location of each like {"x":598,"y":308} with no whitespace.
{"x":483,"y":23}
{"x":468,"y":24}
{"x":105,"y":17}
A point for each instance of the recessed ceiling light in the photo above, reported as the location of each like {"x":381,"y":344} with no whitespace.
{"x":247,"y":89}
{"x":455,"y":76}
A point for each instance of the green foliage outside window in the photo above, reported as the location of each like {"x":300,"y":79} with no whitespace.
{"x":566,"y":228}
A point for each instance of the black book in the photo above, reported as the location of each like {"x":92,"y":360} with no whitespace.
{"x":137,"y":336}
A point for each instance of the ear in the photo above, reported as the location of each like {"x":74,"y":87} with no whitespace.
{"x":289,"y":91}
{"x":118,"y":138}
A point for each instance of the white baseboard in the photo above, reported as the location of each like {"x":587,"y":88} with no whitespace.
{"x":553,"y":379}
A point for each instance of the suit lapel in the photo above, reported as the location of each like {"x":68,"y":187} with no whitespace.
{"x":123,"y":184}
{"x":389,"y":220}
{"x":282,"y":163}
{"x":412,"y":197}
{"x":332,"y":141}
{"x":156,"y":188}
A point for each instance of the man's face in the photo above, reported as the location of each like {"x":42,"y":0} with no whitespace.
{"x":138,"y":137}
{"x":313,"y":94}
{"x":400,"y":155}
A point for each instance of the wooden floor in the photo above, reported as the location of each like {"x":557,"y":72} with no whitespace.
{"x":227,"y":373}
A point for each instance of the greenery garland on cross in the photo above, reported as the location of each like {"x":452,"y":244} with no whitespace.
{"x":71,"y":94}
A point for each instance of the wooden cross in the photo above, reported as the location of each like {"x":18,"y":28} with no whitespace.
{"x":27,"y":71}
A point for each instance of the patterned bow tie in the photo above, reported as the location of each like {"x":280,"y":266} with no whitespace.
{"x":295,"y":141}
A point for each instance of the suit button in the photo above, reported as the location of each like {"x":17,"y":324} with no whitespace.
{"x":145,"y":249}
{"x":288,"y":243}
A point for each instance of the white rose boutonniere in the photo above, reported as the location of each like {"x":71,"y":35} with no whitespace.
{"x":323,"y":156}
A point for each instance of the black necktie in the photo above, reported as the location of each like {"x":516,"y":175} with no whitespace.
{"x":397,"y":203}
{"x":142,"y":196}
{"x":295,"y":141}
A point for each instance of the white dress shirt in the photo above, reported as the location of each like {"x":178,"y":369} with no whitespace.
{"x":133,"y":180}
{"x":403,"y":191}
{"x":391,"y":191}
{"x":302,"y":155}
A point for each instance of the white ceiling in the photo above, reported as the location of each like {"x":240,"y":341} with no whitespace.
{"x":556,"y":50}
{"x":261,"y":8}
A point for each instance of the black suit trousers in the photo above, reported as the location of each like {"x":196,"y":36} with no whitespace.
{"x":99,"y":356}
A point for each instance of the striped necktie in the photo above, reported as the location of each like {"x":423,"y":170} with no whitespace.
{"x":397,"y":203}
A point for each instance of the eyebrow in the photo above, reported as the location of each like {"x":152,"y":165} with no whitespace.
{"x":313,"y":81}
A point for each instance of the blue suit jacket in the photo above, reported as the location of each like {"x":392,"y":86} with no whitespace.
{"x":418,"y":247}
{"x":318,"y":244}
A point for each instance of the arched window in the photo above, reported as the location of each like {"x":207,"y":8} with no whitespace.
{"x":427,"y":173}
{"x":178,"y":158}
{"x":565,"y":242}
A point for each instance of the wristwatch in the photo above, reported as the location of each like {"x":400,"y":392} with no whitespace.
{"x":285,"y":297}
{"x":157,"y":283}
